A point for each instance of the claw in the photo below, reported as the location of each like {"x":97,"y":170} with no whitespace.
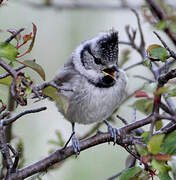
{"x":75,"y":142}
{"x":113,"y":131}
{"x":76,"y":145}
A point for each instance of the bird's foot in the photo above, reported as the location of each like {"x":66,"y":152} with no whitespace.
{"x":75,"y":144}
{"x":113,"y":131}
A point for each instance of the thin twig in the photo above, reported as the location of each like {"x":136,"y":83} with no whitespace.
{"x":13,"y":119}
{"x":133,"y":65}
{"x":144,"y":78}
{"x":142,"y":43}
{"x":116,"y":175}
{"x":79,"y":5}
{"x":14,"y":35}
{"x":172,"y":53}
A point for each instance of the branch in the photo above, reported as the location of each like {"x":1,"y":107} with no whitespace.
{"x":13,"y":119}
{"x":8,"y":163}
{"x":161,"y":15}
{"x":62,"y":154}
{"x":172,"y":54}
{"x":16,"y":69}
{"x":79,"y":5}
{"x":14,"y":35}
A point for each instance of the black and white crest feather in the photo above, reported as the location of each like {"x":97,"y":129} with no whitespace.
{"x":108,"y":46}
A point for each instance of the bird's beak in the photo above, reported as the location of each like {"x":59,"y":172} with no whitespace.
{"x":111,"y":71}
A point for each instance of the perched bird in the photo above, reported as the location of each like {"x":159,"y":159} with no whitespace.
{"x":97,"y":83}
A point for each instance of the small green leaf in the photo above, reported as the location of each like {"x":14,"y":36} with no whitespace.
{"x":6,"y":81}
{"x":131,"y":173}
{"x":8,"y":51}
{"x":158,"y":125}
{"x":169,"y":145}
{"x":154,"y":144}
{"x":36,"y":67}
{"x":161,"y":25}
{"x":61,"y":101}
{"x":141,"y":150}
{"x":157,"y":53}
{"x":28,"y":90}
{"x":145,"y":63}
{"x":143,"y":105}
{"x":172,"y":92}
{"x":145,"y":137}
{"x":162,"y":90}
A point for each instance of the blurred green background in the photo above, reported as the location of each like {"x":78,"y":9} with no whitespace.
{"x":58,"y":34}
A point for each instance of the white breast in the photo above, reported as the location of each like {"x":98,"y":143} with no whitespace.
{"x":92,"y":104}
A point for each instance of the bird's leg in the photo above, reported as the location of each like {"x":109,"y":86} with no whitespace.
{"x":113,"y":131}
{"x":75,"y":142}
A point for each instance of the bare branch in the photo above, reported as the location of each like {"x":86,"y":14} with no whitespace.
{"x":16,"y":69}
{"x":144,"y":78}
{"x":14,"y":35}
{"x":79,"y":5}
{"x":116,"y":175}
{"x":60,"y":155}
{"x":13,"y":119}
{"x":172,"y":53}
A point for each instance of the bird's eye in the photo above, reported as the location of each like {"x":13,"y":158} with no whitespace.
{"x":97,"y":60}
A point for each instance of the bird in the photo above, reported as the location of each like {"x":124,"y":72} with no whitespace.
{"x":98,"y":84}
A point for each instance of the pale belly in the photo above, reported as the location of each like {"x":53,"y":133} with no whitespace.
{"x":94,"y":104}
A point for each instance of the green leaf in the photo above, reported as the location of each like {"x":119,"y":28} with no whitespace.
{"x":141,"y":150}
{"x":6,"y":81}
{"x":158,"y":125}
{"x":157,"y":52}
{"x":131,"y":173}
{"x":145,"y":137}
{"x":160,"y":166}
{"x":154,"y":144}
{"x":8,"y":51}
{"x":36,"y":67}
{"x":143,"y":105}
{"x":172,"y":92}
{"x":161,"y":25}
{"x":61,"y":101}
{"x":164,"y":176}
{"x":162,"y":90}
{"x":169,"y":144}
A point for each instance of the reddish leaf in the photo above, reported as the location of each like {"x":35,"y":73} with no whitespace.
{"x":146,"y":159}
{"x":33,"y":39}
{"x":162,"y":157}
{"x":140,"y":93}
{"x":27,"y":37}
